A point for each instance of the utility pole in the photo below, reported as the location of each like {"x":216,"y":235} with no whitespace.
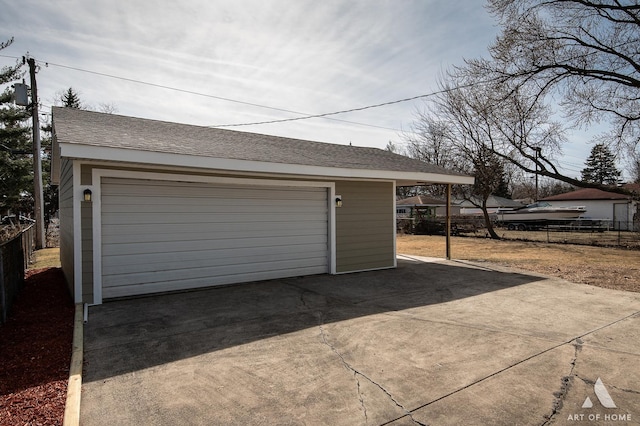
{"x":37,"y":162}
{"x":537,"y":154}
{"x":448,"y":223}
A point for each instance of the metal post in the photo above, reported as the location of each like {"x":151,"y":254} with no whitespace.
{"x":537,"y":151}
{"x":448,"y":225}
{"x":37,"y":162}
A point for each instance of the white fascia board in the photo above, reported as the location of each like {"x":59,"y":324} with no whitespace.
{"x":229,"y":165}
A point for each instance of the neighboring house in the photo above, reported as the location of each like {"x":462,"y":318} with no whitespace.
{"x":619,"y":209}
{"x":493,"y":204}
{"x":634,"y":188}
{"x":423,"y":206}
{"x":149,"y":206}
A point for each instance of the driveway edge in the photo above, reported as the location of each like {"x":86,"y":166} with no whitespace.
{"x":72,"y":406}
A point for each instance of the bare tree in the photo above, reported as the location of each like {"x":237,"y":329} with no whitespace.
{"x":585,"y":51}
{"x":107,"y":108}
{"x":429,"y":140}
{"x":491,"y":129}
{"x":634,"y":168}
{"x":473,"y":138}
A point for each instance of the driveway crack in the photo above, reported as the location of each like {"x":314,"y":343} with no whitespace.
{"x":357,"y":373}
{"x":609,"y":385}
{"x":565,"y":383}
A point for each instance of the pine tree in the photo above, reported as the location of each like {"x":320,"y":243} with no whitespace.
{"x":71,"y":99}
{"x":16,"y":165}
{"x":601,"y":167}
{"x":490,"y":175}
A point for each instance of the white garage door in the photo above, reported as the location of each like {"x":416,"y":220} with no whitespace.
{"x":163,"y":236}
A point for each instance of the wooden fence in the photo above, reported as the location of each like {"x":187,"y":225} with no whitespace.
{"x":14,"y":260}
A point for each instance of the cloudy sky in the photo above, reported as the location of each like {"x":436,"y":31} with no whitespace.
{"x":218,"y":62}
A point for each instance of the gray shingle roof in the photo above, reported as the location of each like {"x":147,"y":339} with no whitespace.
{"x":89,"y":128}
{"x":492,"y":202}
{"x":421,"y":200}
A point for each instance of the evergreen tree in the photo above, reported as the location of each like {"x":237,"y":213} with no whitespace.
{"x":488,"y":169}
{"x":502,"y":189}
{"x":601,"y":167}
{"x":16,"y":164}
{"x":71,"y":99}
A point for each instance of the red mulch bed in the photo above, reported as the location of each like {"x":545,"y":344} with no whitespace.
{"x":35,"y":351}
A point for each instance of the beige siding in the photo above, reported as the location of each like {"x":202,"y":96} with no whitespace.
{"x":364,"y":226}
{"x":85,"y":173}
{"x":86,"y":216}
{"x":66,"y":220}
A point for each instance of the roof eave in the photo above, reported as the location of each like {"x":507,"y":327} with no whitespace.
{"x":90,"y":152}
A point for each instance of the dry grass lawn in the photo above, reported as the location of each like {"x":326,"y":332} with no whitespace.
{"x":46,"y":258}
{"x":614,"y":268}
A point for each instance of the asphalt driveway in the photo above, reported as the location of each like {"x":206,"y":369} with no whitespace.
{"x":431,"y":342}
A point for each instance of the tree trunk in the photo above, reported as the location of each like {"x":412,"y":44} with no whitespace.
{"x":487,"y":222}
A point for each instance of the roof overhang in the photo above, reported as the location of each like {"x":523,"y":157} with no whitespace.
{"x":402,"y":178}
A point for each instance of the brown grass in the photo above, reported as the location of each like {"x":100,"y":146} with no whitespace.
{"x":614,"y":268}
{"x":46,"y":258}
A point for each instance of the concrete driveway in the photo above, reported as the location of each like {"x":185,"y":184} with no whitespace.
{"x":431,"y":342}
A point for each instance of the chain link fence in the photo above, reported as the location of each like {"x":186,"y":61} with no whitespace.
{"x":603,"y":233}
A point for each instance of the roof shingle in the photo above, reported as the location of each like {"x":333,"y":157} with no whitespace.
{"x":73,"y":126}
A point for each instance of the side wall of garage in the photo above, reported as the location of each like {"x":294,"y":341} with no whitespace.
{"x":365,"y":226}
{"x":65,"y":199}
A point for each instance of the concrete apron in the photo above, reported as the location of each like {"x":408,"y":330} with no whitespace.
{"x":431,"y":342}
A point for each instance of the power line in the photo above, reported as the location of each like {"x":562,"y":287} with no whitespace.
{"x":161,"y":86}
{"x":305,"y":116}
{"x":191,"y":92}
{"x":326,"y":114}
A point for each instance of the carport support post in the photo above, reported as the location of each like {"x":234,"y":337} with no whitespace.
{"x":448,"y":226}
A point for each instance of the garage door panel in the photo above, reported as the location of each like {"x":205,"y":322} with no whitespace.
{"x":228,"y":255}
{"x":184,"y":228}
{"x":155,"y":287}
{"x":162,"y":218}
{"x":212,"y":208}
{"x":185,"y":274}
{"x":146,"y":189}
{"x":147,"y":263}
{"x":226,"y":244}
{"x":211,"y":201}
{"x":164,"y":236}
{"x":199,"y":236}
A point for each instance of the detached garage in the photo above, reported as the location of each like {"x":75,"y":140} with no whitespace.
{"x":149,"y":206}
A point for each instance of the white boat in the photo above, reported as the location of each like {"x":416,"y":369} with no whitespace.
{"x":540,"y":211}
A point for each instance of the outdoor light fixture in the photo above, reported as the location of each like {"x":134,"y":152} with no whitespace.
{"x":338,"y":200}
{"x":87,"y":194}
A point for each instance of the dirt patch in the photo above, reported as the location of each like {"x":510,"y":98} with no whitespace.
{"x":36,"y":351}
{"x":614,"y":268}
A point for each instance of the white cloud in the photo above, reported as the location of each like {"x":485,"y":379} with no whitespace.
{"x":303,"y":55}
